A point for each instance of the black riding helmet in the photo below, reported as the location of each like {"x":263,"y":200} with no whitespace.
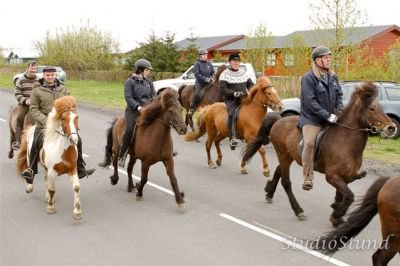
{"x":320,"y":51}
{"x":142,"y":64}
{"x":203,"y":51}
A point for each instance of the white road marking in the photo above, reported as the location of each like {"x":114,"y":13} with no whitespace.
{"x":287,"y":242}
{"x":84,"y":155}
{"x":2,"y":120}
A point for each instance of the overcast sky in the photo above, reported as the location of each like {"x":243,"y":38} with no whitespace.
{"x":22,"y":22}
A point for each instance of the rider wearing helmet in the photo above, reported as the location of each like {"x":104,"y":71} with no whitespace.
{"x":321,"y":97}
{"x":204,"y":73}
{"x":138,"y":91}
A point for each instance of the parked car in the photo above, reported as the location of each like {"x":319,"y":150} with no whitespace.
{"x":61,"y":75}
{"x":388,"y":95}
{"x":188,"y":78}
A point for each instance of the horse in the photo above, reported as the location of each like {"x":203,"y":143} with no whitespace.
{"x":382,"y":197}
{"x":59,"y":153}
{"x":12,"y":125}
{"x":211,"y":95}
{"x":152,"y":141}
{"x":213,"y":120}
{"x":341,"y":149}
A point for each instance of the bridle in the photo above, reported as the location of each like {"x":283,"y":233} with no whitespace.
{"x":265,"y":106}
{"x":370,"y":128}
{"x":170,"y":123}
{"x":62,"y":131}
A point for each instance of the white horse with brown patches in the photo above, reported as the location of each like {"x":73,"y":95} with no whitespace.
{"x":59,"y":153}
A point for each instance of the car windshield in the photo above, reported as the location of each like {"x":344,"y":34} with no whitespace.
{"x":39,"y":69}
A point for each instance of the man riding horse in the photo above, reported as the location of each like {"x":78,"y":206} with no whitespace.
{"x":23,"y":91}
{"x":234,"y":83}
{"x":41,"y":103}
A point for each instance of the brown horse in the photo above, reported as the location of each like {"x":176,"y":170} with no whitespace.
{"x":211,"y":95}
{"x":12,"y":124}
{"x":213,"y":120}
{"x":382,"y":197}
{"x":152,"y":141}
{"x":340,"y":151}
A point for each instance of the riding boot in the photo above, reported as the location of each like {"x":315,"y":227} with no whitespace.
{"x":130,"y":122}
{"x":82,"y":170}
{"x":37,"y":144}
{"x":233,"y":143}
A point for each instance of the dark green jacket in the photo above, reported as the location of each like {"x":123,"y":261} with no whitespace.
{"x":42,"y":101}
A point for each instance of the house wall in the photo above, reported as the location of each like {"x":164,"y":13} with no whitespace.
{"x":381,"y":43}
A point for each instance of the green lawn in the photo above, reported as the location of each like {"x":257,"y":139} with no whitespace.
{"x":110,"y":94}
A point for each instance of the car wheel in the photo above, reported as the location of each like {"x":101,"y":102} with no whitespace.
{"x":397,"y":123}
{"x":289,"y":114}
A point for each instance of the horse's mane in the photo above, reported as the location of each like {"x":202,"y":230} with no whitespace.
{"x":363,"y":95}
{"x":61,"y":105}
{"x":262,"y":82}
{"x":154,"y":108}
{"x":220,"y":69}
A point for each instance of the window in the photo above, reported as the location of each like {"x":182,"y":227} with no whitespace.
{"x":393,"y":93}
{"x":289,"y":60}
{"x":271,"y":59}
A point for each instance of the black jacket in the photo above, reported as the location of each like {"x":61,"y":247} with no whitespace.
{"x":319,"y":98}
{"x":203,"y":70}
{"x":138,"y":91}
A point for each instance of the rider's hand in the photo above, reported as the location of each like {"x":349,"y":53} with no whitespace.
{"x":332,"y":118}
{"x":28,"y":101}
{"x":208,"y":80}
{"x":237,"y":94}
{"x":139,"y":108}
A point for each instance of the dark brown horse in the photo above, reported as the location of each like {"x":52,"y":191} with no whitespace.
{"x":382,"y":197}
{"x":213,"y":120}
{"x":152,"y":141}
{"x":341,"y":149}
{"x":12,"y":124}
{"x":211,"y":95}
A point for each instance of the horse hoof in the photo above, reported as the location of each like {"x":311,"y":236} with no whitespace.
{"x":266,"y":173}
{"x":301,"y":216}
{"x":268,"y":199}
{"x":131,"y":188}
{"x":51,"y":210}
{"x":336,"y":221}
{"x":219,"y":162}
{"x":181,"y":205}
{"x":29,"y":188}
{"x":212,"y":166}
{"x":114,"y":180}
{"x":77,"y":216}
{"x":244,"y":171}
{"x":10,"y":155}
{"x":139,"y":198}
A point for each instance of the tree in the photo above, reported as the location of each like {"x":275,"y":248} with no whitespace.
{"x":335,"y":23}
{"x":258,"y":46}
{"x":190,"y":54}
{"x":393,"y":57}
{"x":83,"y":48}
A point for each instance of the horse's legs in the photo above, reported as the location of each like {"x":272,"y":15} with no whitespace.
{"x":131,"y":164}
{"x":12,"y":139}
{"x":51,"y":190}
{"x":386,"y":251}
{"x":114,"y":178}
{"x":338,"y":199}
{"x":143,"y":180}
{"x":217,"y":143}
{"x":209,"y":142}
{"x":179,"y":196}
{"x":189,"y":121}
{"x":287,"y":185}
{"x":270,"y":187}
{"x":347,"y":199}
{"x":77,"y":202}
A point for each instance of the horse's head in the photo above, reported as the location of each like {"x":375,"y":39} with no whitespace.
{"x":268,"y":94}
{"x":65,"y":108}
{"x":172,"y":110}
{"x":372,"y":114}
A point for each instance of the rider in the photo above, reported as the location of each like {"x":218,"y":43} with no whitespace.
{"x":138,"y":90}
{"x":204,"y":73}
{"x":234,"y":83}
{"x":42,"y":100}
{"x":321,"y":97}
{"x":23,"y":91}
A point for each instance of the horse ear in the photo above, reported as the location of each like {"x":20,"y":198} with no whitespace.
{"x":368,"y":92}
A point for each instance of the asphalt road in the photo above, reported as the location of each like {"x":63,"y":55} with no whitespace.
{"x":226,"y":220}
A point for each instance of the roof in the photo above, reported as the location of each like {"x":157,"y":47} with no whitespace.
{"x":209,"y":43}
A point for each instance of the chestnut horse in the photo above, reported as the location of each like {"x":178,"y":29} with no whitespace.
{"x":152,"y":141}
{"x":12,"y":125}
{"x":59,"y":153}
{"x":211,"y":95}
{"x":340,"y":151}
{"x":382,"y":197}
{"x":213,"y":120}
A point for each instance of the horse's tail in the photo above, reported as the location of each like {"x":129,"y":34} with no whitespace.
{"x":201,"y":124}
{"x":108,"y":149}
{"x":357,"y":221}
{"x":180,"y":93}
{"x":22,"y":158}
{"x":262,"y":137}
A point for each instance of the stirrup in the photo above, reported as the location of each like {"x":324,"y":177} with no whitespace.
{"x":191,"y":111}
{"x":308,"y":184}
{"x":121,"y":161}
{"x":233,"y":143}
{"x":28,"y":175}
{"x":15,"y":145}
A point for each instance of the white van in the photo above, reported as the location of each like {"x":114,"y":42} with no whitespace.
{"x":188,"y":78}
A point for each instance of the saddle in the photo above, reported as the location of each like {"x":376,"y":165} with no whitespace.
{"x":318,"y":140}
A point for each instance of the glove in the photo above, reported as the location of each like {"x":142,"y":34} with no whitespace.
{"x":332,"y":118}
{"x":208,"y":80}
{"x":139,"y":108}
{"x":237,"y":94}
{"x":212,"y":79}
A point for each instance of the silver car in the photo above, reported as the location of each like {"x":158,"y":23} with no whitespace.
{"x":61,"y":75}
{"x":388,"y":95}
